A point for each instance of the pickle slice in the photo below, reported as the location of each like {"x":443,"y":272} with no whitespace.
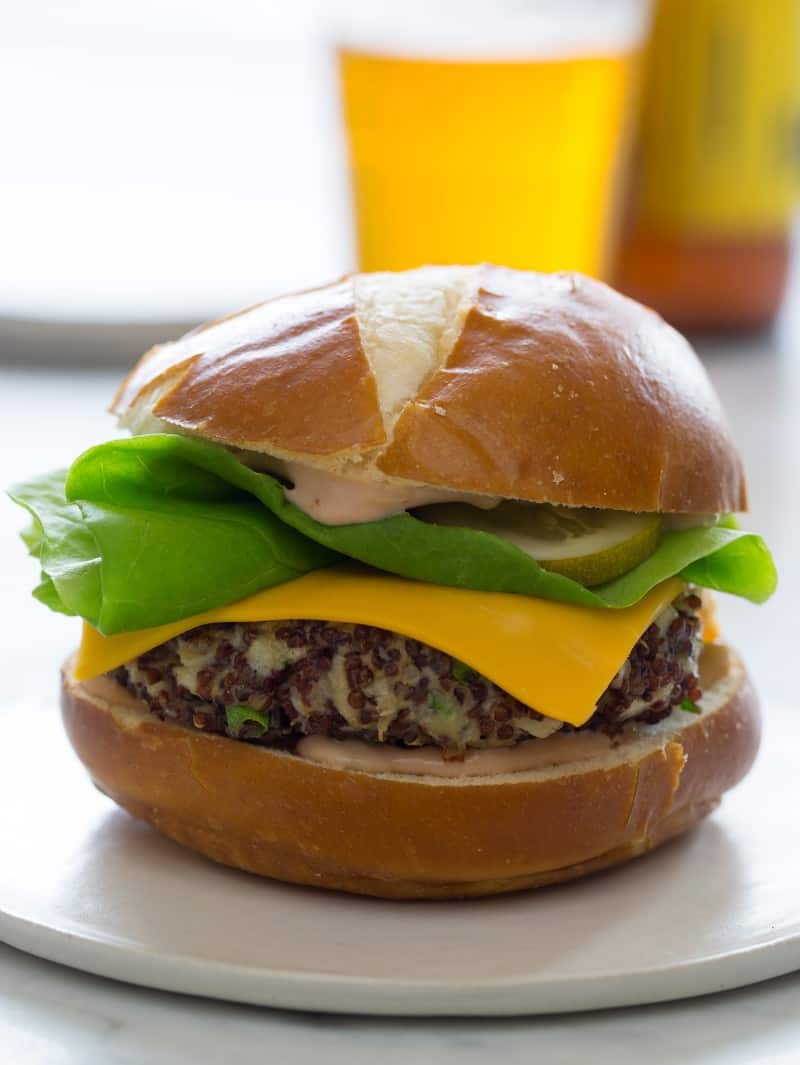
{"x":590,"y":546}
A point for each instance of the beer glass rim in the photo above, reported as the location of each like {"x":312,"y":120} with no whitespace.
{"x":484,"y":30}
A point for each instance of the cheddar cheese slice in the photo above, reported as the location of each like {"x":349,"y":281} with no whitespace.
{"x":555,"y":657}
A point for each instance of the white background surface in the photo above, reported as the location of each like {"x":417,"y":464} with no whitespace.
{"x":166,"y":158}
{"x":50,"y":72}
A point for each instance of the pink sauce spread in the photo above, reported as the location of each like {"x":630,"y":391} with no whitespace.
{"x":336,"y":499}
{"x":427,"y":761}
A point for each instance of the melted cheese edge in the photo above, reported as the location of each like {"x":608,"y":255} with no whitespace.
{"x":555,"y":657}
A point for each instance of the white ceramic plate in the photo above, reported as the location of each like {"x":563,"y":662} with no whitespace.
{"x":83,"y":884}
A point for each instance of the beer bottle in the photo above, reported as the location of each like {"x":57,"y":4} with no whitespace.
{"x":707,"y":235}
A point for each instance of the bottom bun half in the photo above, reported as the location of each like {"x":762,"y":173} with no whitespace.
{"x":396,"y":836}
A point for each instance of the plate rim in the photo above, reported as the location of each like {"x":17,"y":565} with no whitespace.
{"x":317,"y":991}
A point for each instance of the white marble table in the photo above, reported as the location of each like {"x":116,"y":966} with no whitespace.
{"x":54,"y":1015}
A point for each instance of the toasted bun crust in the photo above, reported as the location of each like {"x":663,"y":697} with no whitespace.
{"x":281,"y":816}
{"x":542,"y":387}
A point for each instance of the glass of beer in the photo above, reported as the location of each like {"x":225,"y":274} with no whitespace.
{"x":490,"y":132}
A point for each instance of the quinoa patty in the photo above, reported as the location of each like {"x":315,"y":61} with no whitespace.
{"x":272,"y":683}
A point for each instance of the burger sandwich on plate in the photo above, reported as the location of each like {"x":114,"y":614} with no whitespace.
{"x":403,"y":586}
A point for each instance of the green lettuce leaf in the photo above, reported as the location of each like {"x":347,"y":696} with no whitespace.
{"x":166,"y":526}
{"x":132,"y":560}
{"x":63,"y":543}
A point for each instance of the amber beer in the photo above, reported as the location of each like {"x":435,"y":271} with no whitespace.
{"x":511,"y":160}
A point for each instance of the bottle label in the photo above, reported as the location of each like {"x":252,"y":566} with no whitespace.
{"x":720,"y":136}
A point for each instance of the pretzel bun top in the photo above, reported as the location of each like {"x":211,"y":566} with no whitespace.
{"x":481,"y":379}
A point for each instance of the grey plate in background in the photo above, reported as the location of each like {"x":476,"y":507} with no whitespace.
{"x":30,"y":341}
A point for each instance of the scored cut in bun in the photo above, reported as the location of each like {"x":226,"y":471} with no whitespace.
{"x":282,"y":816}
{"x":541,"y":387}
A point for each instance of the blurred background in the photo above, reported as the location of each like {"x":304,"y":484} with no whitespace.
{"x":164,"y":161}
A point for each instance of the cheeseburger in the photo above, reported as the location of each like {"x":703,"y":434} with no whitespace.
{"x":403,"y":586}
